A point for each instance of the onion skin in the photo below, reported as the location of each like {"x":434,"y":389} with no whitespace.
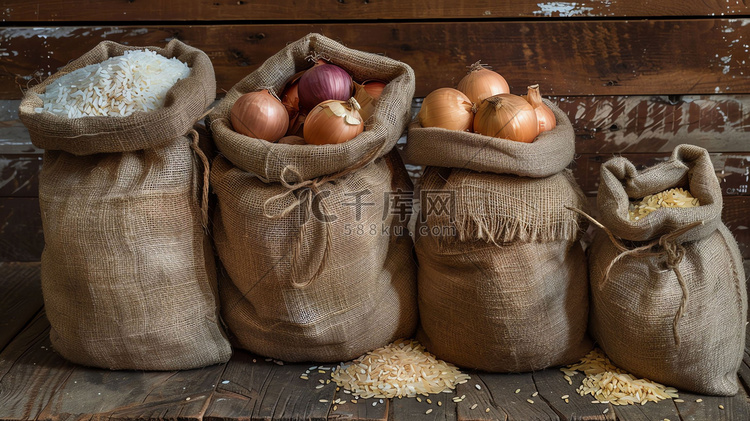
{"x":507,"y":116}
{"x":544,"y":114}
{"x":447,"y":108}
{"x":374,"y":88}
{"x":481,"y":83}
{"x":290,"y":96}
{"x":260,"y":115}
{"x":324,"y":125}
{"x":323,"y":82}
{"x":367,"y":95}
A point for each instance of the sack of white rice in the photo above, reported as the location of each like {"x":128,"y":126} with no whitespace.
{"x":128,"y":274}
{"x":667,"y":283}
{"x":318,"y":263}
{"x":502,"y":282}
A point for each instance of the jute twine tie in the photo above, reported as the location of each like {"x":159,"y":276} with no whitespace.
{"x":309,"y":191}
{"x":195,"y":146}
{"x":665,"y":246}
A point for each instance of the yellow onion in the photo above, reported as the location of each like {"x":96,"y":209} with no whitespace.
{"x":481,"y":83}
{"x":374,"y":88}
{"x":447,"y":108}
{"x":544,"y":114}
{"x":292,"y":140}
{"x":290,"y":96}
{"x":260,"y":115}
{"x":295,"y":125}
{"x":507,"y":116}
{"x":333,"y":121}
{"x":367,"y":95}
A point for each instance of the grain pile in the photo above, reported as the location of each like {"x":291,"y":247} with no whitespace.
{"x":401,"y":369}
{"x":609,"y":384}
{"x":116,"y":87}
{"x":672,"y":198}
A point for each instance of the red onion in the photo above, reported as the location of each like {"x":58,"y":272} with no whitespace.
{"x":323,"y":82}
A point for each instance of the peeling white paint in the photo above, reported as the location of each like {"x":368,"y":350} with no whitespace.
{"x":10,"y":33}
{"x":112,"y":31}
{"x":744,"y":22}
{"x":563,"y":9}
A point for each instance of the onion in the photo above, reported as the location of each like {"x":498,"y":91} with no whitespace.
{"x":323,"y":82}
{"x":544,"y":115}
{"x":367,"y":95}
{"x":482,"y":83}
{"x":260,"y":115}
{"x":374,"y":88}
{"x":507,"y":116}
{"x":290,"y":96}
{"x":447,"y":108}
{"x":333,"y":122}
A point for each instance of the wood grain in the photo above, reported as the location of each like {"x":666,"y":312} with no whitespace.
{"x":31,"y":372}
{"x":126,"y":394}
{"x":254,"y":389}
{"x":733,"y":170}
{"x":552,"y":385}
{"x":20,"y":298}
{"x":640,"y":57}
{"x":498,"y":393}
{"x":736,"y":216}
{"x":710,"y":407}
{"x":285,"y":10}
{"x":648,"y":124}
{"x":21,"y":235}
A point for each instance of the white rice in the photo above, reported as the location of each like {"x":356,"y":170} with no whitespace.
{"x":117,"y":87}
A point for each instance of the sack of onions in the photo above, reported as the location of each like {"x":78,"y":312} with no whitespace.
{"x":317,"y":266}
{"x":128,"y":274}
{"x":499,"y":249}
{"x":668,"y":297}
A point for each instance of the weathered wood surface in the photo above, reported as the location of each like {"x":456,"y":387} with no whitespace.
{"x":651,"y":124}
{"x":21,"y":235}
{"x":733,"y":170}
{"x":589,"y":57}
{"x":285,"y":10}
{"x":36,"y":383}
{"x":20,"y":298}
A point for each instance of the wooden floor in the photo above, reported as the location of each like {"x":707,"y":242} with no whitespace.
{"x":37,"y":384}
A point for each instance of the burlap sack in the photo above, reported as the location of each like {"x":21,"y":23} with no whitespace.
{"x":318,"y":266}
{"x":668,"y":296}
{"x":382,"y":130}
{"x":502,"y":275}
{"x":128,"y":275}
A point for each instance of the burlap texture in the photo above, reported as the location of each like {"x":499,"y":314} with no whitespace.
{"x":636,"y":301}
{"x":185,"y":103}
{"x":302,"y":288}
{"x":549,"y":154}
{"x":506,"y":291}
{"x":128,"y":275}
{"x":382,"y":130}
{"x":502,"y":277}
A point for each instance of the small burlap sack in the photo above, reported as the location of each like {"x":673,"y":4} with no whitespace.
{"x":128,"y":274}
{"x":668,"y":291}
{"x":502,"y":282}
{"x":318,"y":267}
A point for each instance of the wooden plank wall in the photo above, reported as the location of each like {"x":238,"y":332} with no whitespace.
{"x":635,"y":77}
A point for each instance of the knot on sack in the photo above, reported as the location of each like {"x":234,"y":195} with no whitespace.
{"x":665,"y":246}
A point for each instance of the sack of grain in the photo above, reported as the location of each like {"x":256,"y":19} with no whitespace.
{"x":128,"y":274}
{"x":318,"y":265}
{"x":668,"y":289}
{"x":502,"y":282}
